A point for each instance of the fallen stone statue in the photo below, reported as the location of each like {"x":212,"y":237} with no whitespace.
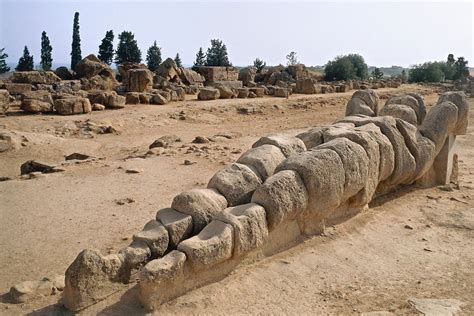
{"x":282,"y":188}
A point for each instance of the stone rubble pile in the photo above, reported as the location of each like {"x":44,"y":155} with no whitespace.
{"x":66,"y":92}
{"x":283,"y":187}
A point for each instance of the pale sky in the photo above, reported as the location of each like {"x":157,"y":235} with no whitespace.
{"x":385,"y":33}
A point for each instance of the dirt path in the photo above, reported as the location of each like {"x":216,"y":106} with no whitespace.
{"x":369,"y":263}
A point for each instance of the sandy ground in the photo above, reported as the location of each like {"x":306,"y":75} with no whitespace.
{"x":372,"y":262}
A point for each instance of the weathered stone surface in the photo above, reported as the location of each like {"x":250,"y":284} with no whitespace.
{"x":242,"y":93}
{"x":421,"y":106}
{"x":35,"y":166}
{"x":281,"y":92}
{"x":405,"y":163}
{"x":159,"y":279}
{"x":307,"y":86}
{"x":191,"y":77}
{"x":211,"y":246}
{"x":64,"y":73}
{"x":258,"y":91}
{"x":236,"y":182}
{"x":72,"y":105}
{"x":400,"y":111}
{"x":312,"y":137}
{"x":132,"y":98}
{"x":201,"y":204}
{"x":30,"y":77}
{"x":50,"y":78}
{"x":288,"y":144}
{"x":387,"y":155}
{"x":247,"y":74}
{"x":158,"y":99}
{"x":372,"y":149}
{"x":355,"y":162}
{"x":116,"y":101}
{"x":36,"y":106}
{"x":17,"y":88}
{"x":213,"y":74}
{"x":283,"y":196}
{"x":29,"y":290}
{"x":249,"y":225}
{"x":412,"y":102}
{"x":179,"y":225}
{"x":168,"y":70}
{"x":208,"y":94}
{"x":458,"y":98}
{"x":155,"y":235}
{"x":441,"y":120}
{"x":323,"y":174}
{"x":145,"y":98}
{"x":165,"y":141}
{"x":40,"y":95}
{"x":90,"y":66}
{"x":264,"y":159}
{"x":422,"y":148}
{"x":135,"y":255}
{"x":365,"y":102}
{"x":139,"y":80}
{"x":91,"y":278}
{"x":224,"y":91}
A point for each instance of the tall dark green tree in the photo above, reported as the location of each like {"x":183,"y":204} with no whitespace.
{"x":76,"y":42}
{"x":3,"y":63}
{"x":217,"y":54}
{"x":259,"y":64}
{"x":25,"y":63}
{"x":46,"y":50}
{"x":106,"y":48}
{"x":200,"y":59}
{"x":127,"y":49}
{"x":153,"y":57}
{"x":177,"y":60}
{"x":460,"y":68}
{"x":377,"y":73}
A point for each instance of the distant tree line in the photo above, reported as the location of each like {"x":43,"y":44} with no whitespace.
{"x":439,"y":71}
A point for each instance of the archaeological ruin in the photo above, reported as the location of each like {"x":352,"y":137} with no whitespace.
{"x":284,"y":187}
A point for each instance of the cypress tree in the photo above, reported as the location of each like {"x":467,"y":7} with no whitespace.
{"x":200,"y":59}
{"x":106,"y":48}
{"x":46,"y":49}
{"x":25,"y":63}
{"x":3,"y":64}
{"x":76,"y":42}
{"x":153,"y":57}
{"x":217,"y":54}
{"x":177,"y":60}
{"x":127,"y":49}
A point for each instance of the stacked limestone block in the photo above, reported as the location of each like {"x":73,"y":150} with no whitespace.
{"x":280,"y":189}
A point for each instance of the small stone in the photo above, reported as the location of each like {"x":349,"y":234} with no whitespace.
{"x":77,"y":156}
{"x":200,"y":140}
{"x":188,"y":162}
{"x":408,"y":227}
{"x":133,"y":171}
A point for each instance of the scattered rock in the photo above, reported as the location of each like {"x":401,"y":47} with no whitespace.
{"x":77,"y":156}
{"x":408,"y":227}
{"x":29,"y":290}
{"x":133,"y":171}
{"x":200,"y":140}
{"x":431,"y":306}
{"x":98,"y":107}
{"x":124,"y":201}
{"x":35,"y":166}
{"x":189,"y":162}
{"x":165,"y":141}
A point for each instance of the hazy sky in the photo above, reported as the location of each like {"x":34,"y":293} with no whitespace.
{"x":385,"y":33}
